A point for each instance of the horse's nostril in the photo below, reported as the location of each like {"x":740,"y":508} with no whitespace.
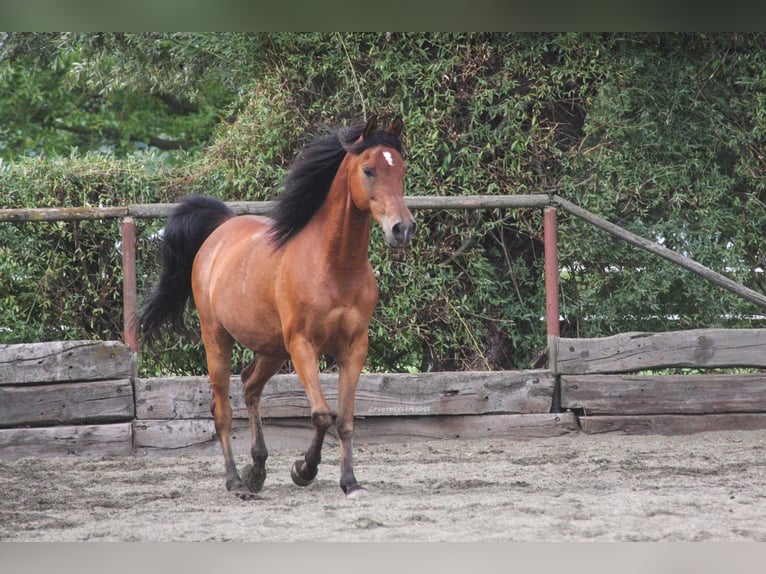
{"x":402,"y":232}
{"x":408,"y":231}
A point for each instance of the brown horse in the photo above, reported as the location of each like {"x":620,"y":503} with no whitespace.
{"x":292,"y":287}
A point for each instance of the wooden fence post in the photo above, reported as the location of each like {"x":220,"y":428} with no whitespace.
{"x":129,"y":295}
{"x":550,"y":238}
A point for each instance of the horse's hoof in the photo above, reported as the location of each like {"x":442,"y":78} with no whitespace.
{"x":242,"y":492}
{"x":253,"y":480}
{"x":245,"y":494}
{"x":298,"y":478}
{"x":356,"y":491}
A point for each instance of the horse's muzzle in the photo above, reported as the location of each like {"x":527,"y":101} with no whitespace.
{"x":401,"y":233}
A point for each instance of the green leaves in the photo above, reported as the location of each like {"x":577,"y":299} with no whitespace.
{"x":661,"y":133}
{"x":118,"y":92}
{"x":665,"y":153}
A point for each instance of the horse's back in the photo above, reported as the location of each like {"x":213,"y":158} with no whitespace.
{"x":239,"y":239}
{"x":244,"y":225}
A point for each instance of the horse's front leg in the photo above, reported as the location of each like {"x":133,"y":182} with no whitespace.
{"x":350,"y":368}
{"x":254,"y":378}
{"x":305,"y":359}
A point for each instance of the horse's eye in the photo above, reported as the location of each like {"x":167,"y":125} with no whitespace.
{"x":368,"y":171}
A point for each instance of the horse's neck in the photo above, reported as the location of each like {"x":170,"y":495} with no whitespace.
{"x":345,"y":230}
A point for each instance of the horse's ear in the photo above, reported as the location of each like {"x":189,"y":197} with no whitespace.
{"x":372,"y":125}
{"x":396,"y":127}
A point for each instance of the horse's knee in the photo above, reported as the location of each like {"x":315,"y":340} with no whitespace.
{"x":345,"y":429}
{"x":222,"y":414}
{"x":321,"y":421}
{"x":219,"y":409}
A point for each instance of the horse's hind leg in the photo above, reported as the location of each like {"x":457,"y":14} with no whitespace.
{"x":350,"y":367}
{"x":218,"y":349}
{"x":254,"y":378}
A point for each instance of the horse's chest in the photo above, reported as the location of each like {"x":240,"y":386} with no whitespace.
{"x":345,"y":319}
{"x":340,"y":318}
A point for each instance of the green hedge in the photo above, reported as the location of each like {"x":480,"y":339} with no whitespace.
{"x":662,"y":134}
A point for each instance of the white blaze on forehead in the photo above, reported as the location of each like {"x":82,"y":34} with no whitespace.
{"x":389,"y":158}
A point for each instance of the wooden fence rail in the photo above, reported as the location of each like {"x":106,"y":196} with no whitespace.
{"x":162,"y":210}
{"x":82,"y":397}
{"x":544,"y":201}
{"x":626,"y":352}
{"x":612,"y":383}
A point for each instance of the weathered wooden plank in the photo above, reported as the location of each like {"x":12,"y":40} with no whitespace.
{"x":61,"y":213}
{"x":377,"y":395}
{"x":64,"y":361}
{"x":162,"y":210}
{"x":381,"y":430}
{"x":198,"y":436}
{"x":453,"y":393}
{"x":668,"y":394}
{"x":477,"y":201}
{"x":671,"y":424}
{"x":67,"y":403}
{"x":700,"y":348}
{"x":462,"y":202}
{"x":91,"y":440}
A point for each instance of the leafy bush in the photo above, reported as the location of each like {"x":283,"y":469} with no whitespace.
{"x":661,"y":133}
{"x":673,"y":150}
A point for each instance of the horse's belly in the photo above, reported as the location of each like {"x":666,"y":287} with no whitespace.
{"x":269,"y":350}
{"x":249,"y":314}
{"x":261,"y":339}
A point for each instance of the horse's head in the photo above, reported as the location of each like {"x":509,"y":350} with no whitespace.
{"x":376,"y":178}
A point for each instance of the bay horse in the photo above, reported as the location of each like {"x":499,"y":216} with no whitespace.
{"x":295,"y":285}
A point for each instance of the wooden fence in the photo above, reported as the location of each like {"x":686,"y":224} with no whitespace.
{"x":618,"y":383}
{"x":82,"y":397}
{"x":73,"y":397}
{"x":547,"y":202}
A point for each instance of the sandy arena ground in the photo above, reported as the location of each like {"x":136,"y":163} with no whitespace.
{"x":709,"y":486}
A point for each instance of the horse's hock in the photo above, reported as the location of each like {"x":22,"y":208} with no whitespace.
{"x":83,"y":398}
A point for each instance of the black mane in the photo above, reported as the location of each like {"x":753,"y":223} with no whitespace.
{"x":308,"y":182}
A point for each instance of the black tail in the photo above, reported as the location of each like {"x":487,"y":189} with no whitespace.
{"x":189,"y":224}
